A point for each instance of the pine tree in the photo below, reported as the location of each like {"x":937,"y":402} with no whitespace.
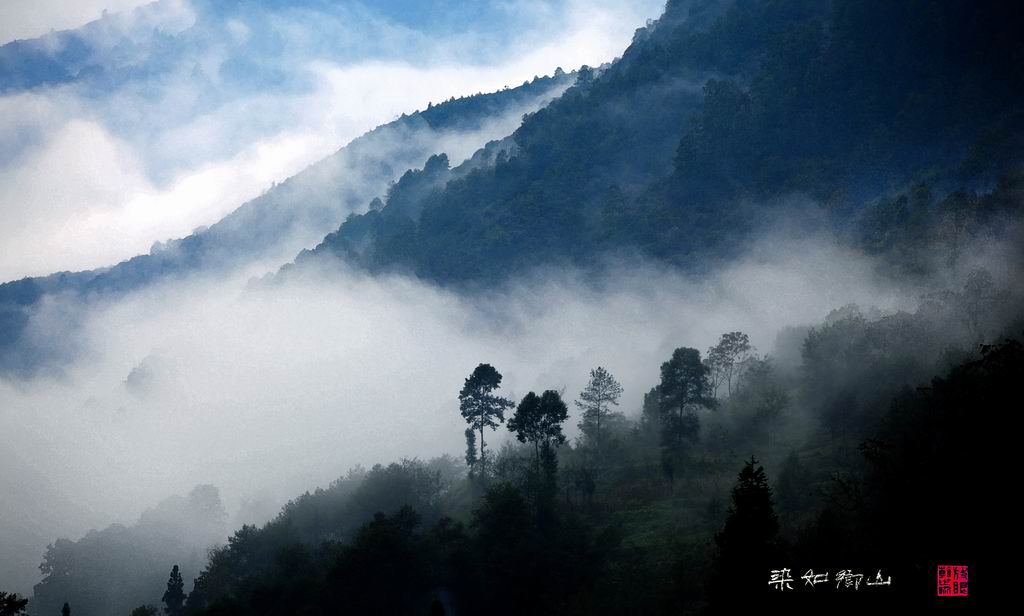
{"x":66,"y":610}
{"x":174,"y":596}
{"x":596,"y":402}
{"x":748,"y":543}
{"x":480,"y":407}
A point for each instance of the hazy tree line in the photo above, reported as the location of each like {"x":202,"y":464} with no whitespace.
{"x":838,"y":459}
{"x":110,"y":570}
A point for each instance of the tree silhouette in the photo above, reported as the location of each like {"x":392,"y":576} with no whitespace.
{"x":480,"y":407}
{"x":12,"y":605}
{"x":727,"y":360}
{"x":538,"y":420}
{"x":174,"y":596}
{"x":752,"y":521}
{"x":145,"y":610}
{"x":66,"y":610}
{"x":684,"y":387}
{"x":748,"y":541}
{"x":595,"y":402}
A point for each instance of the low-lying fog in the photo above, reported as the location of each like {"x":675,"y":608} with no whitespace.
{"x":267,"y":390}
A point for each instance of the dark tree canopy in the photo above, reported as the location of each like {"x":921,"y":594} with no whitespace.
{"x":538,"y":420}
{"x":12,"y":605}
{"x":554,"y":534}
{"x":174,"y":596}
{"x":684,"y":388}
{"x":748,"y":543}
{"x":480,"y":407}
{"x":752,"y":522}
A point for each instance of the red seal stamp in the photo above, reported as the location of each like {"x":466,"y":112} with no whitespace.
{"x":952,"y":580}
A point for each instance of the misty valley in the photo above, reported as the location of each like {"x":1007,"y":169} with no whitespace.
{"x":508,"y":307}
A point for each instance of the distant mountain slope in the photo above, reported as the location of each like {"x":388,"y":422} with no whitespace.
{"x":25,"y":530}
{"x":694,"y":138}
{"x":291,"y":216}
{"x":179,"y":529}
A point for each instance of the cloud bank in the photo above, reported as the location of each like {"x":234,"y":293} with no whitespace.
{"x":95,"y":171}
{"x":273,"y":389}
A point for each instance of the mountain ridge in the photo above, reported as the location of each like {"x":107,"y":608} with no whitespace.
{"x":291,"y":215}
{"x":678,"y":150}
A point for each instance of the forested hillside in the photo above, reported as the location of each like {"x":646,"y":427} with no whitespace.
{"x":288,"y":217}
{"x":735,"y":466}
{"x":733,"y":145}
{"x":112,"y":570}
{"x":709,"y":129}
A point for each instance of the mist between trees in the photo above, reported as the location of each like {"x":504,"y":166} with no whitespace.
{"x":832,"y":449}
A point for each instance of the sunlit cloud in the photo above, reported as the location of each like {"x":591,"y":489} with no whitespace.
{"x":92,"y":181}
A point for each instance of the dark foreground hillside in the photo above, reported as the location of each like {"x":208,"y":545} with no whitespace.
{"x":860,"y":459}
